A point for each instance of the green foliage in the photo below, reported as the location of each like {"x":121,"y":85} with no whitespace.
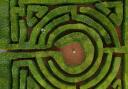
{"x":31,"y":29}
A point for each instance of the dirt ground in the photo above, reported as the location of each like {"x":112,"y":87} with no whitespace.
{"x":73,"y":54}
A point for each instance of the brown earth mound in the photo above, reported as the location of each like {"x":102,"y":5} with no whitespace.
{"x":73,"y":54}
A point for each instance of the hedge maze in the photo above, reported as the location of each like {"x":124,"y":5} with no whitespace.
{"x":63,"y":44}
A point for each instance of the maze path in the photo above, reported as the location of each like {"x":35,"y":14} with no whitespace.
{"x":40,"y":31}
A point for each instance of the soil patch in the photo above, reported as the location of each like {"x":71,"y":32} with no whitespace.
{"x":73,"y":54}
